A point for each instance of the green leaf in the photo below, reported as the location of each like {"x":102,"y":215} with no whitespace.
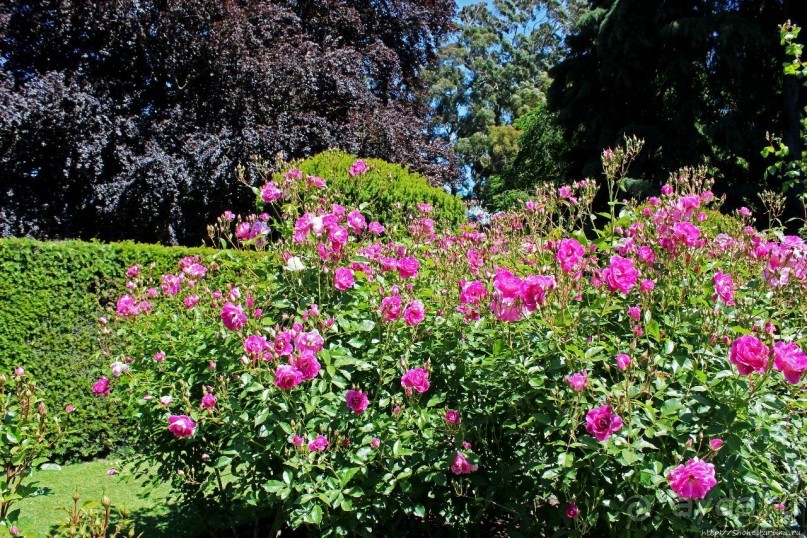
{"x":653,"y":330}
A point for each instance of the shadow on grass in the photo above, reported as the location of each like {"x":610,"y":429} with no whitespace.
{"x":168,"y":520}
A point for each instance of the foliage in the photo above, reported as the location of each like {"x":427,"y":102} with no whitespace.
{"x":95,"y":519}
{"x":789,"y":169}
{"x":388,"y":192}
{"x":539,"y":159}
{"x":699,"y":81}
{"x":26,"y":433}
{"x":522,"y":377}
{"x":53,"y":295}
{"x":126,"y":120}
{"x":492,"y":72}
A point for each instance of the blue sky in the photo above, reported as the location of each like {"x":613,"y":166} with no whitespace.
{"x":462,"y":3}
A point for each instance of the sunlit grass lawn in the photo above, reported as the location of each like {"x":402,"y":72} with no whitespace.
{"x":149,"y":508}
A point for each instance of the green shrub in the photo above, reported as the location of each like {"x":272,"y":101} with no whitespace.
{"x":390,"y":191}
{"x":52,"y":296}
{"x":647,"y":381}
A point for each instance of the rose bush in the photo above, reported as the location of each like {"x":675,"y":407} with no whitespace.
{"x":523,"y":376}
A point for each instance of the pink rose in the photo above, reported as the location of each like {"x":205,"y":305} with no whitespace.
{"x":270,"y":192}
{"x":634,"y":313}
{"x":308,"y":365}
{"x":408,"y":267}
{"x":569,"y":254}
{"x":572,"y":511}
{"x":388,"y":264}
{"x":358,"y":168}
{"x":577,"y":381}
{"x":471,"y":292}
{"x":196,"y":271}
{"x":646,"y":255}
{"x":620,"y":275}
{"x":243,"y":231}
{"x":533,"y":290}
{"x":356,"y":401}
{"x":506,"y":303}
{"x":692,"y":480}
{"x":506,"y":284}
{"x":101,"y":387}
{"x":687,"y":233}
{"x":647,"y":285}
{"x":376,"y":228}
{"x":415,"y":313}
{"x":749,"y":354}
{"x":302,"y":227}
{"x":287,"y":377}
{"x":319,"y":444}
{"x":452,"y":417}
{"x":789,"y":359}
{"x":390,"y":308}
{"x":461,"y":465}
{"x":181,"y":426}
{"x":127,"y":306}
{"x":622,"y":361}
{"x":724,"y":288}
{"x":310,"y":341}
{"x":376,"y":442}
{"x":601,"y":422}
{"x":282,"y":343}
{"x":118,"y":368}
{"x":417,"y":379}
{"x":208,"y":401}
{"x":171,"y":284}
{"x":356,"y":221}
{"x":338,"y":235}
{"x":233,"y":317}
{"x":715,"y":444}
{"x":255,"y":346}
{"x":296,"y":440}
{"x":191,"y":301}
{"x":343,"y":279}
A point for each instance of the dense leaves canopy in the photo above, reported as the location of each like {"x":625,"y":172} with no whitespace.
{"x":127,"y":119}
{"x":700,"y":81}
{"x":493,"y":72}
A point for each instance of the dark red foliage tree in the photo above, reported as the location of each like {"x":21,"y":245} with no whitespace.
{"x":127,"y":118}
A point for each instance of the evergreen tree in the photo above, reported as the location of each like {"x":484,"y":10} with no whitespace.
{"x":700,"y":81}
{"x":492,"y":72}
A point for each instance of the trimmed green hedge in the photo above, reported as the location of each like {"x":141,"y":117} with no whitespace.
{"x":51,"y":296}
{"x":382,"y":187}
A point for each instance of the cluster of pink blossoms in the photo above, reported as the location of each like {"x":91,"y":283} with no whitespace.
{"x":391,"y":309}
{"x":671,"y":233}
{"x":332,"y":230}
{"x":750,"y":355}
{"x":514,"y":297}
